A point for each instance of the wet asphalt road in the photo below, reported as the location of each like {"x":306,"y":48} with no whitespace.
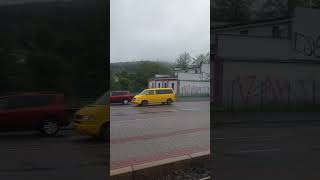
{"x":29,"y":156}
{"x":154,"y":131}
{"x":266,"y":151}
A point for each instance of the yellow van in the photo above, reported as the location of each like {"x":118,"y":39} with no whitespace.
{"x":94,"y":120}
{"x":155,"y":96}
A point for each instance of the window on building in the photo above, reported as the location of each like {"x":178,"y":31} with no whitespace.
{"x":159,"y":85}
{"x":275,"y":32}
{"x":244,"y":32}
{"x":165,"y":85}
{"x":172,"y":85}
{"x":152,"y":85}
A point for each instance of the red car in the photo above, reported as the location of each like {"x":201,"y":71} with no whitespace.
{"x":123,"y":97}
{"x":33,"y":111}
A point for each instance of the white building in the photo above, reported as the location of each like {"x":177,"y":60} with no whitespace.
{"x":191,"y":82}
{"x":272,"y":52}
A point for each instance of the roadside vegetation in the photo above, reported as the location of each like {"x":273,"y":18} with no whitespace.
{"x":134,"y":76}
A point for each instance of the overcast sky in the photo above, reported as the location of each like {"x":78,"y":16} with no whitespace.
{"x":158,"y":29}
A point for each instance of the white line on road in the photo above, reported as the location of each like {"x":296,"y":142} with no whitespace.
{"x":206,"y":178}
{"x":258,"y":150}
{"x":251,"y":137}
{"x":136,"y":120}
{"x":24,"y":149}
{"x":219,"y":138}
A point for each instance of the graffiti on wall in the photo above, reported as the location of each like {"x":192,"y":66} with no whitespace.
{"x":247,"y":90}
{"x":194,"y":90}
{"x":307,"y":45}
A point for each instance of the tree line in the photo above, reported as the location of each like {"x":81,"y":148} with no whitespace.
{"x":244,"y":10}
{"x":134,"y":76}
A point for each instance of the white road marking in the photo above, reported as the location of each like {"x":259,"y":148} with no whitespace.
{"x":251,"y":137}
{"x":190,"y":109}
{"x":137,"y":120}
{"x":258,"y":150}
{"x":206,"y":178}
{"x":219,"y":138}
{"x":24,"y":149}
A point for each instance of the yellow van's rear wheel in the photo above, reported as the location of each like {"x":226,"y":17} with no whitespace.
{"x":169,"y":101}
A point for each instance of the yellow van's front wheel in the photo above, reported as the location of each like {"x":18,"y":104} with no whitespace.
{"x":144,"y":103}
{"x":104,"y":132}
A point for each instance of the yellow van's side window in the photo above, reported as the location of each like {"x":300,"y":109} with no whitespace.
{"x":151,"y":92}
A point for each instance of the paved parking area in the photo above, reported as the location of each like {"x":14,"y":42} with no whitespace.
{"x":143,"y":134}
{"x":28,"y":155}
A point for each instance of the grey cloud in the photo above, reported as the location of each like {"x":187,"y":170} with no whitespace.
{"x":158,"y":29}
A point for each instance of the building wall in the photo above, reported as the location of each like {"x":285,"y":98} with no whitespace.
{"x":239,"y":47}
{"x":189,"y":76}
{"x":194,"y":88}
{"x":248,"y":84}
{"x":266,"y":71}
{"x":205,"y":68}
{"x":264,"y":31}
{"x":306,"y":34}
{"x":164,"y":83}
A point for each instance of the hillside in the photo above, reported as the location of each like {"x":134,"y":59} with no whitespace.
{"x":134,"y":76}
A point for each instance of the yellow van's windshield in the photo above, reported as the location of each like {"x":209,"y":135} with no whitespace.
{"x":103,"y":100}
{"x":144,"y":92}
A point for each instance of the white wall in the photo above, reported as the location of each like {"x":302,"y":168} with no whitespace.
{"x":194,"y":88}
{"x":265,"y":31}
{"x":189,"y":76}
{"x":205,"y":68}
{"x":151,"y":84}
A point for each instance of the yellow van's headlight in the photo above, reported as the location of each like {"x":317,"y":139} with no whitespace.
{"x":87,"y":118}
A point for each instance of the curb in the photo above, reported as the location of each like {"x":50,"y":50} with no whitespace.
{"x":156,"y":169}
{"x":305,"y":121}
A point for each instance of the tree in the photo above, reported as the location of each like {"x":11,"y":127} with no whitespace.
{"x":208,"y":57}
{"x":183,"y":61}
{"x":134,"y":76}
{"x":231,"y":10}
{"x":200,"y":59}
{"x":272,"y":9}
